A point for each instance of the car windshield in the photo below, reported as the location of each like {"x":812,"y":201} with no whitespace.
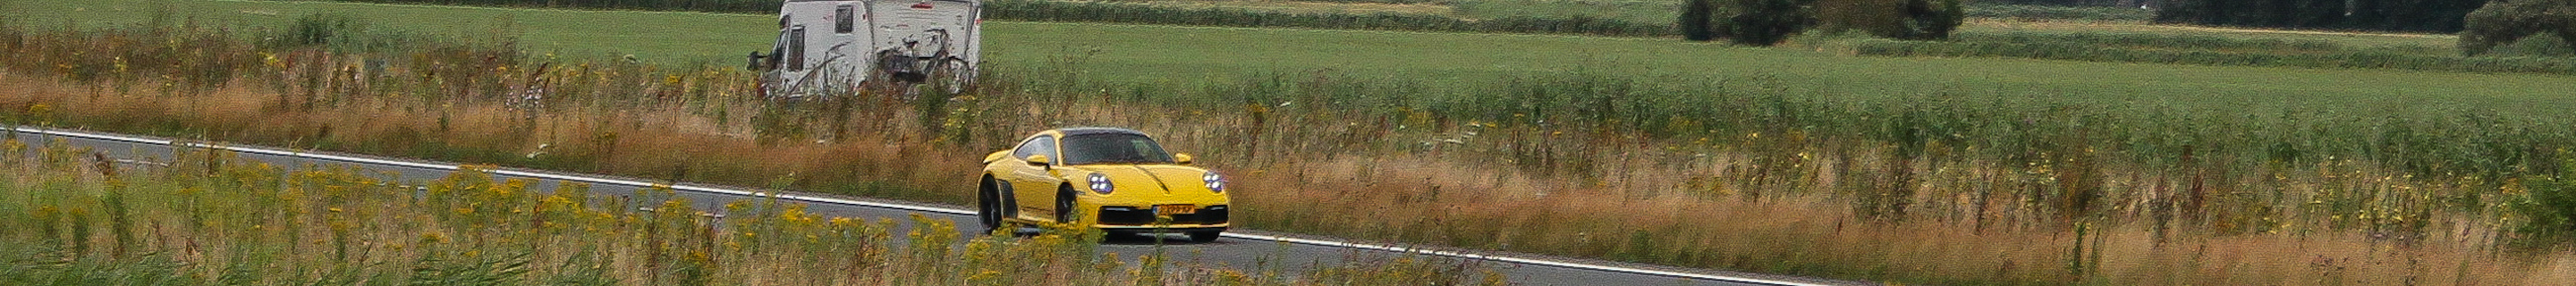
{"x":1113,"y":148}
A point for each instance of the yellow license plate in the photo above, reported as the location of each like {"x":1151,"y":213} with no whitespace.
{"x":1176,"y":209}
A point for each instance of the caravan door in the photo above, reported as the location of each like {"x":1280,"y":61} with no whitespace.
{"x":816,"y":41}
{"x":787,"y":65}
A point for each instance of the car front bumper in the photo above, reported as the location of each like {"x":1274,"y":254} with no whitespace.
{"x":1144,"y":217}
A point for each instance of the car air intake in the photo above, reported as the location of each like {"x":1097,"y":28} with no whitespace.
{"x":1120,"y":215}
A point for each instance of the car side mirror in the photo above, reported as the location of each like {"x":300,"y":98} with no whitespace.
{"x":1182,"y":158}
{"x":1039,"y":161}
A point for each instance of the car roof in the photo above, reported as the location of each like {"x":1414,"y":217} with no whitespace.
{"x":1075,"y":131}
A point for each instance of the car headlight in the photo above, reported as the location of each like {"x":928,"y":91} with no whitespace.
{"x":1215,"y":183}
{"x":1100,"y":183}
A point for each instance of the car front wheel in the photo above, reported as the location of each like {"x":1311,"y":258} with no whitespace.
{"x":988,"y":204}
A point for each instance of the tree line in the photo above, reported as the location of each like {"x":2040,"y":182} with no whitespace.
{"x":2121,"y":3}
{"x":1769,"y":22}
{"x":2437,"y":16}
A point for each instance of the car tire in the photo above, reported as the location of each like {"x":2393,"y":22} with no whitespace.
{"x":988,"y":204}
{"x":1064,"y":204}
{"x":1206,"y":236}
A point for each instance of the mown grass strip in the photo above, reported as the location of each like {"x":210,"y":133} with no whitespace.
{"x":2203,"y":50}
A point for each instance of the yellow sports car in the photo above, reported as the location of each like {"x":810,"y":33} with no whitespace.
{"x":1114,"y":179}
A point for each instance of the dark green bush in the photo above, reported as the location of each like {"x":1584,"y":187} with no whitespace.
{"x":1894,"y":19}
{"x":1873,"y":17}
{"x":1768,"y":22}
{"x":1695,"y":20}
{"x":1931,"y":19}
{"x":2045,"y":12}
{"x":2505,"y":22}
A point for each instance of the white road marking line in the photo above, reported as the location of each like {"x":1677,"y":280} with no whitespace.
{"x":921,"y":208}
{"x":1531,"y":261}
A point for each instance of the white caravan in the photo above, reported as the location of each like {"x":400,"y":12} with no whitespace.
{"x":837,"y":47}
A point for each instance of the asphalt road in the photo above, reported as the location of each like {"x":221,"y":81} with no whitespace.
{"x":1241,"y":249}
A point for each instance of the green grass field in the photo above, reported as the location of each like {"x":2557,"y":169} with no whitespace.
{"x":1171,"y":53}
{"x":1132,"y":53}
{"x":669,"y":38}
{"x":2448,"y":43}
{"x":1452,"y":63}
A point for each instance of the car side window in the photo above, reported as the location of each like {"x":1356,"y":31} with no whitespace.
{"x":1043,"y":145}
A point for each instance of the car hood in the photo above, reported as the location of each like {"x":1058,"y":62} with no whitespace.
{"x":1151,"y":178}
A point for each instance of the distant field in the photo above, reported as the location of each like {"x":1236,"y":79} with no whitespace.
{"x":668,"y":38}
{"x":1302,"y":6}
{"x":1167,"y":53}
{"x":1184,"y":55}
{"x":2447,"y":44}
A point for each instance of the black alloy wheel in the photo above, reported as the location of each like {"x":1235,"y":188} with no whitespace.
{"x":988,"y":204}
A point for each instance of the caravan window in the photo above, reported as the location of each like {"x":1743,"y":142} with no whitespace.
{"x":846,"y":17}
{"x":796,"y":48}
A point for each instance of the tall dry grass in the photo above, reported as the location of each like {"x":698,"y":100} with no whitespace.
{"x":205,"y":217}
{"x":1420,"y":198}
{"x":1641,"y":210}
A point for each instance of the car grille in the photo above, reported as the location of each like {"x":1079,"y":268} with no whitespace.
{"x":1145,"y":216}
{"x":1209,"y":215}
{"x":1125,"y":216}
